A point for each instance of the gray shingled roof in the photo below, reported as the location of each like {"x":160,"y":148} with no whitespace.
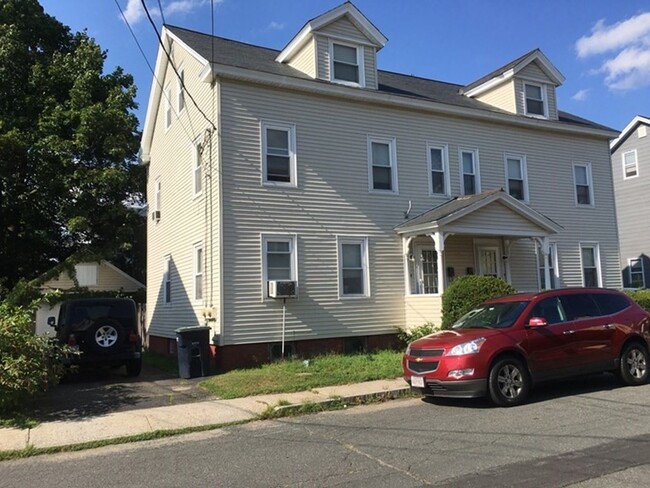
{"x":256,"y":58}
{"x":497,"y":71}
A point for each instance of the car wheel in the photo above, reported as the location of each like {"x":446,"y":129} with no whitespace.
{"x":105,"y":335}
{"x":133,"y":367}
{"x":509,"y":382}
{"x":634,"y":365}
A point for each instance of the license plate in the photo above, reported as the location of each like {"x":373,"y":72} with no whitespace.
{"x":417,"y":381}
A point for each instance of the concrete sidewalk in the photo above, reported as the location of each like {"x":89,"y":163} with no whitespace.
{"x":212,"y":412}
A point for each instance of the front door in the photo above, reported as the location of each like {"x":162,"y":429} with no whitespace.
{"x":489,"y":262}
{"x":427,"y":270}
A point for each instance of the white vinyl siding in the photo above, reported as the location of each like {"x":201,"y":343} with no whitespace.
{"x":630,"y":165}
{"x":86,"y":274}
{"x":517,"y":177}
{"x":180,"y":90}
{"x":278,"y":154}
{"x":438,"y":161}
{"x":590,"y":264}
{"x":382,"y":165}
{"x":470,"y":176}
{"x":503,"y":97}
{"x":198,"y":272}
{"x":305,"y":59}
{"x":584,"y":187}
{"x":353,"y":267}
{"x":535,"y":100}
{"x":197,"y":168}
{"x":279,"y":259}
{"x":637,"y":274}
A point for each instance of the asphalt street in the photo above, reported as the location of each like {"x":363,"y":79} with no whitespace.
{"x":581,"y":433}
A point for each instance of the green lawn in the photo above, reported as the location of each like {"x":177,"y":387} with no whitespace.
{"x":293,"y":375}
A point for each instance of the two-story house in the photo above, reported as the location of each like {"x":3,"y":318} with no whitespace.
{"x":631,"y":171}
{"x":369,"y":190}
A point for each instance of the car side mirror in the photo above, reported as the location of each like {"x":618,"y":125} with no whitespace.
{"x":537,"y":322}
{"x":51,"y":321}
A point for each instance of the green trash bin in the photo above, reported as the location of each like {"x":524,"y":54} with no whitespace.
{"x":193,"y":349}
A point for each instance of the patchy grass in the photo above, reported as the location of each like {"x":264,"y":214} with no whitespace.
{"x":298,"y":375}
{"x":17,"y":420}
{"x":167,"y":364}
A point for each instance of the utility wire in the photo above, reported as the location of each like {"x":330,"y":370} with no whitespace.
{"x":162,"y":15}
{"x":153,"y":24}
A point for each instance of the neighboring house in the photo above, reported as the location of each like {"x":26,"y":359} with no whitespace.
{"x":370,"y":190}
{"x":631,"y":169}
{"x":94,"y":276}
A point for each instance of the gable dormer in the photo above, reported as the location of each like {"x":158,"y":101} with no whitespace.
{"x":525,"y":86}
{"x":339,"y":46}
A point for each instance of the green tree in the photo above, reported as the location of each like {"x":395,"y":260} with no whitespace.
{"x":68,"y":146}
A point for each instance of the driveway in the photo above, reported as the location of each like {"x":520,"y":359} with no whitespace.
{"x":94,"y":393}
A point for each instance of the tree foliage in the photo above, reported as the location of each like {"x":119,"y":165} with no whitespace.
{"x":68,"y":146}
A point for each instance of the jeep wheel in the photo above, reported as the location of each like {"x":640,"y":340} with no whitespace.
{"x":133,"y":367}
{"x":105,"y":335}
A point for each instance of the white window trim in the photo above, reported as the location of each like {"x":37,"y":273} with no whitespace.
{"x":363,"y":241}
{"x":360,"y":62}
{"x":195,"y":272}
{"x":542,"y":87}
{"x":629,"y":269}
{"x":293,"y":164}
{"x":524,"y":173}
{"x":445,"y":168}
{"x":167,"y":93}
{"x":293,"y":240}
{"x":180,"y":91}
{"x":590,"y":180}
{"x":636,"y":164}
{"x":596,"y":247}
{"x":477,"y":168}
{"x":196,"y":158}
{"x":392,"y":151}
{"x":166,"y":278}
{"x":556,"y":264}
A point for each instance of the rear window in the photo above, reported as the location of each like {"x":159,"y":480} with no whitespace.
{"x":96,"y":310}
{"x":611,"y":303}
{"x":579,"y":306}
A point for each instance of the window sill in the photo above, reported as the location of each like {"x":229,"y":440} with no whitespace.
{"x":347,"y":83}
{"x":383,"y":192}
{"x":353,"y":297}
{"x":279,"y":184}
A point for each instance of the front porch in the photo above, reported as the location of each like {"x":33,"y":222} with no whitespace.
{"x":490,"y":233}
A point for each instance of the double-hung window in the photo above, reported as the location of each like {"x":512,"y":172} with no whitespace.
{"x":590,"y":264}
{"x":345,"y":66}
{"x":278,"y":154}
{"x":167,"y":281}
{"x":197,"y":168}
{"x":168,"y":107}
{"x":198,"y":272}
{"x":630,"y":165}
{"x":382,"y":165}
{"x":353,"y":267}
{"x":637,"y":276}
{"x":86,"y":274}
{"x":157,"y":199}
{"x":438,"y":170}
{"x":470,"y":183}
{"x":181,"y":90}
{"x":583,"y":184}
{"x":552,"y":266}
{"x":517,"y":177}
{"x":279,"y":259}
{"x":535,"y":100}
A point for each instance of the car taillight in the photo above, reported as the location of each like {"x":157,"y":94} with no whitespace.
{"x":72,"y":340}
{"x":133,"y":337}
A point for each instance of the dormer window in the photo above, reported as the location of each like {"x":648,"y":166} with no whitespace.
{"x":346,"y":62}
{"x":535,"y":100}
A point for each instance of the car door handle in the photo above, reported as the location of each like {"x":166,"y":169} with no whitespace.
{"x":569,"y":332}
{"x":608,"y":326}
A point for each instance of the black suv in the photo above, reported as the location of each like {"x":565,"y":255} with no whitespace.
{"x":103,"y":330}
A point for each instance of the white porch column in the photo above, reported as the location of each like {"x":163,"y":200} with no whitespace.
{"x":546,"y":250}
{"x":406,"y":242}
{"x":506,"y":254}
{"x":439,"y":243}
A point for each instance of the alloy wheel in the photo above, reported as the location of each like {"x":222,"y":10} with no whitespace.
{"x":510,"y":381}
{"x":636,"y":363}
{"x":106,"y":336}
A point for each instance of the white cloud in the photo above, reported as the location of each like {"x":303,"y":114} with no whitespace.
{"x":133,"y":12}
{"x":183,"y":6}
{"x":581,"y":95}
{"x":275,"y":26}
{"x":628,"y":43}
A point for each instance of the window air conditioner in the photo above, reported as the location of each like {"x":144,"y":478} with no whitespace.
{"x":282,"y":289}
{"x":155,"y":215}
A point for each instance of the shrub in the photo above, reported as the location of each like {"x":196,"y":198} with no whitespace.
{"x":466,"y":292}
{"x":28,"y":363}
{"x":406,"y":336}
{"x":642,"y":297}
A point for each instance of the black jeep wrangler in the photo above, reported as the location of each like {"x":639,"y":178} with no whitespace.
{"x":103,"y":330}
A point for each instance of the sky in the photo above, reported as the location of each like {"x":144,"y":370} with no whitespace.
{"x":602,"y":47}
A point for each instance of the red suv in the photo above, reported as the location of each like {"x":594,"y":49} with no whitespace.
{"x":505,"y":345}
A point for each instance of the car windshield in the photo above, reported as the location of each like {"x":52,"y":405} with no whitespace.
{"x":491,"y":316}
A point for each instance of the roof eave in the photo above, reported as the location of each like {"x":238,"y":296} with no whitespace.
{"x":639,"y":119}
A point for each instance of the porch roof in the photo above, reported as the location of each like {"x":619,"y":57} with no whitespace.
{"x":453,"y":214}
